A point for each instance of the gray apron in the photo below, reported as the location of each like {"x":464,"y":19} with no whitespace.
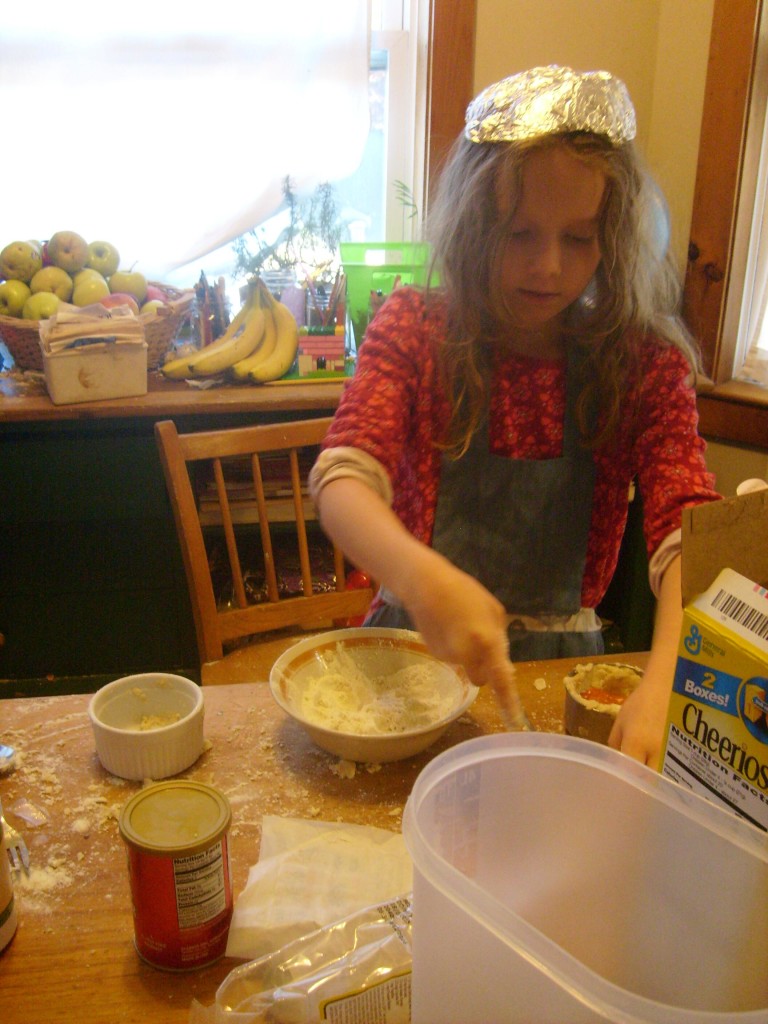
{"x":520,"y":527}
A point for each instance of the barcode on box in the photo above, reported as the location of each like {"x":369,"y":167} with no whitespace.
{"x":739,"y":611}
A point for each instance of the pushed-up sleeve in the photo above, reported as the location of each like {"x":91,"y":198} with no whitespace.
{"x":336,"y":463}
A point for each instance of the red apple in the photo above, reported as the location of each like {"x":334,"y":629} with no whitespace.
{"x":355,"y":580}
{"x":120,"y":299}
{"x":156,"y":294}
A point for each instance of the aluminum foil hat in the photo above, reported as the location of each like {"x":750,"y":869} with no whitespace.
{"x":548,"y":100}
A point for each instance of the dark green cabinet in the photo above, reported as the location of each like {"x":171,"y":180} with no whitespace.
{"x":92,"y":583}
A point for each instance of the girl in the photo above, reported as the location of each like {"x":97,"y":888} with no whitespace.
{"x":480,"y":461}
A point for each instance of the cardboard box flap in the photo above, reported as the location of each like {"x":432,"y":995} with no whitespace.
{"x":727,"y":534}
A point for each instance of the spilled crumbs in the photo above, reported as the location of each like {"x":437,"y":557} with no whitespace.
{"x":67,"y":836}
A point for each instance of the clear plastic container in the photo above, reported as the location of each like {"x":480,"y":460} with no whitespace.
{"x":558,"y":881}
{"x":8,"y":922}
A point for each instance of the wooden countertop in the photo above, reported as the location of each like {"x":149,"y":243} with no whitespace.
{"x":73,"y":958}
{"x":23,"y":398}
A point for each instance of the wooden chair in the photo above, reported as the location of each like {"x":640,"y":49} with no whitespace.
{"x":246,"y":487}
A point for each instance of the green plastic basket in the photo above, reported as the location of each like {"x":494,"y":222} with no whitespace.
{"x":376,"y":267}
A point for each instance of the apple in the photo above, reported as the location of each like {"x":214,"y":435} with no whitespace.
{"x":120,"y":299}
{"x":90,"y":289}
{"x":130,"y":281}
{"x":85,"y":274}
{"x":104,"y":257}
{"x":40,"y":306}
{"x":155,"y":292}
{"x":52,"y":279}
{"x":68,"y":250}
{"x":13,"y":295}
{"x":152,"y":306}
{"x":19,"y":261}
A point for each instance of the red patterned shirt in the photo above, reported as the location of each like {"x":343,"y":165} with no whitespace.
{"x":395,"y":406}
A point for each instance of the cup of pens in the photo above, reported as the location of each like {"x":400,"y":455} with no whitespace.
{"x":325,"y":302}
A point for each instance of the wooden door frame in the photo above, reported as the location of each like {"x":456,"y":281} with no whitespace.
{"x":452,"y":35}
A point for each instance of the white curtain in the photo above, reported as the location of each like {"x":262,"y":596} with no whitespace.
{"x":168,"y":129}
{"x":753,"y":324}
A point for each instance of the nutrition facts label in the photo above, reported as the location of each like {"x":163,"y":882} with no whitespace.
{"x":691,"y":765}
{"x":200,"y":892}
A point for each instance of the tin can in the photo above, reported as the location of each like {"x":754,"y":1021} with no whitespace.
{"x":7,"y":903}
{"x":177,"y":837}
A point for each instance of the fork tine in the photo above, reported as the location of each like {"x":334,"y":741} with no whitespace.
{"x":17,"y":848}
{"x":22,"y":853}
{"x":15,"y":860}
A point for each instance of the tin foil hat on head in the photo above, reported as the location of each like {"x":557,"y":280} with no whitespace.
{"x":549,"y":100}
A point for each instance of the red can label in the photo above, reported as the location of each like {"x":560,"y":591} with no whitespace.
{"x":182,"y":905}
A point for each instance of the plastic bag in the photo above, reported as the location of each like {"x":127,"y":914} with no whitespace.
{"x":358,"y":968}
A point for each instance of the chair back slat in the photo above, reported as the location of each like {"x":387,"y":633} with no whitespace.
{"x":242,"y":502}
{"x":229,"y":535}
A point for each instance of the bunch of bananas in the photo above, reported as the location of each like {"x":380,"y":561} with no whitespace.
{"x":259,"y":345}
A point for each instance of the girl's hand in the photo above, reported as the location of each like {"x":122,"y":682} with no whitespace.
{"x":639,"y":727}
{"x":460,"y":621}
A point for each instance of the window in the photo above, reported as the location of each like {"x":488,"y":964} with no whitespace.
{"x":746,"y":304}
{"x":174,"y":134}
{"x":720,"y":274}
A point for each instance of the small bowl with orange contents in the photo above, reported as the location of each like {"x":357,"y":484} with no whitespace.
{"x":594,"y":694}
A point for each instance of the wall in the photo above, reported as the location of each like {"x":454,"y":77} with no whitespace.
{"x":659,"y":48}
{"x":639,"y":41}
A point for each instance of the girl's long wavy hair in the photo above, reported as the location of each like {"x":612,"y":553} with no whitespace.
{"x":635,"y":291}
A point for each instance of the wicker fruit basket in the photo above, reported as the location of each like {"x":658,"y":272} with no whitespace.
{"x":22,"y":337}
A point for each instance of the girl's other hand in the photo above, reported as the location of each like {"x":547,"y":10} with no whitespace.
{"x":639,"y":727}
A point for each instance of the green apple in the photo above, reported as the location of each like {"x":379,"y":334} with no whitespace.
{"x":89,"y":290}
{"x":104,"y":257}
{"x":52,"y":279}
{"x":153,"y":305}
{"x":40,"y":306}
{"x":20,"y":261}
{"x":13,"y":295}
{"x":130,"y":281}
{"x":68,"y":250}
{"x":85,"y":274}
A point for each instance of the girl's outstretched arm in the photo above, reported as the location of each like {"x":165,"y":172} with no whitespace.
{"x":639,"y":728}
{"x":460,"y":621}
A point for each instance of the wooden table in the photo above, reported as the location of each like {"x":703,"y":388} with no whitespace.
{"x":24,"y":399}
{"x":73,"y":959}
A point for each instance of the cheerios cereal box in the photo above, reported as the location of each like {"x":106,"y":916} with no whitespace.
{"x":717,"y":725}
